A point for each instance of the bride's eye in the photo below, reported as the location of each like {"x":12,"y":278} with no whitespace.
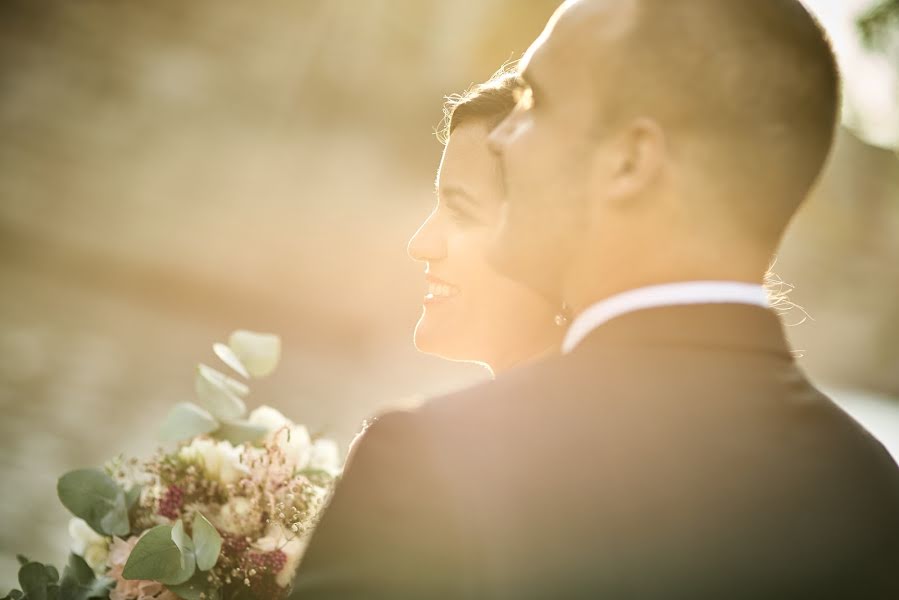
{"x":461,"y":216}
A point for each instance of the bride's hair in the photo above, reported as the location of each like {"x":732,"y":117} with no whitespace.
{"x":489,"y":102}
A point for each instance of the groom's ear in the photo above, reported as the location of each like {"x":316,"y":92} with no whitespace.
{"x":633,"y":161}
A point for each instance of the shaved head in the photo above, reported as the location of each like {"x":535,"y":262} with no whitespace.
{"x":748,"y":89}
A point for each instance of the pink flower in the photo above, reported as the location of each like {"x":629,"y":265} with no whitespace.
{"x":120,"y":550}
{"x":131,"y":589}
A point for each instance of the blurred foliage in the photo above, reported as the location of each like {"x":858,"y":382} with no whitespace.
{"x":879,"y":22}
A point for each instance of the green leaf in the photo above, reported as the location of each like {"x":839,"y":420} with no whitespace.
{"x":216,"y":396}
{"x":229,"y":358}
{"x":79,"y":582}
{"x":207,"y":541}
{"x":258,"y":352}
{"x":78,"y":570}
{"x":52,"y":573}
{"x":14,"y":595}
{"x":156,"y":557}
{"x":132,"y":496}
{"x":240,"y":432}
{"x":34,"y":581}
{"x":115,"y":522}
{"x":187,"y":420}
{"x":98,"y":588}
{"x":183,"y":541}
{"x":192,"y":589}
{"x":93,"y":496}
{"x":23,"y":560}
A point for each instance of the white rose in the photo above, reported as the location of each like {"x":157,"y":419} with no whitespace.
{"x":293,"y":439}
{"x":95,"y":557}
{"x":270,"y":418}
{"x":220,"y":460}
{"x":191,"y":453}
{"x":88,"y":544}
{"x":274,"y":539}
{"x":296,"y":443}
{"x":239,"y":516}
{"x":325,"y":456}
{"x":293,"y":550}
{"x":82,"y":536}
{"x":231,"y":469}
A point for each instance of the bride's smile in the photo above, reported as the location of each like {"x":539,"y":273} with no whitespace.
{"x":439,"y":290}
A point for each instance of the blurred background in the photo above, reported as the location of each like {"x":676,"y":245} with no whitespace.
{"x":171,"y":171}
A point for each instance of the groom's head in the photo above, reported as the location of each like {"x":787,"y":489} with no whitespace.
{"x":661,"y":139}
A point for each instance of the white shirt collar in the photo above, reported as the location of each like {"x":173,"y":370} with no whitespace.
{"x":669,"y":294}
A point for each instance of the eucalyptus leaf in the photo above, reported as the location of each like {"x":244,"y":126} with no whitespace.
{"x":183,"y":541}
{"x":258,"y":352}
{"x":78,"y":570}
{"x":156,"y":557}
{"x":238,"y":388}
{"x":52,"y":573}
{"x":241,"y":432}
{"x":229,"y":358}
{"x":80,"y":583}
{"x":207,"y":543}
{"x":185,"y":421}
{"x":216,"y":396}
{"x":14,"y":595}
{"x":98,"y":588}
{"x":93,"y":496}
{"x":194,"y":588}
{"x":132,"y":496}
{"x":115,"y":522}
{"x":23,"y":560}
{"x":34,"y":581}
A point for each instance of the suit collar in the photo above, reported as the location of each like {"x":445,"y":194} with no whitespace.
{"x":722,"y":326}
{"x":669,"y":294}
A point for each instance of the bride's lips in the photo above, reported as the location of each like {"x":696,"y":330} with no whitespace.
{"x":439,"y":290}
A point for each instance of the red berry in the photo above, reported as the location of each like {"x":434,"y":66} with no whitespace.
{"x":276,"y":560}
{"x":170,"y":504}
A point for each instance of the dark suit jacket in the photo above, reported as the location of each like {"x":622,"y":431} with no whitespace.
{"x":676,"y":453}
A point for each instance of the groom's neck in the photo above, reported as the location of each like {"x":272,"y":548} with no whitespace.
{"x":594,"y":281}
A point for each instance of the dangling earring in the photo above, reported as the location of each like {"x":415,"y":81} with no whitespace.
{"x":563,"y":316}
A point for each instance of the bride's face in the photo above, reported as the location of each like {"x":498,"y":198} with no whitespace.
{"x":470,"y":311}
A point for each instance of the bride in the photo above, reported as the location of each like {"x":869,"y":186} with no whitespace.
{"x":471,"y":313}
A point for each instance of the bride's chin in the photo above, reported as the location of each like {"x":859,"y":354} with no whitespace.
{"x":429,"y":340}
{"x":428,"y":343}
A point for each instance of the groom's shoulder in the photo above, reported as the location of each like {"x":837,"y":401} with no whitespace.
{"x":552,"y":387}
{"x":511,"y":391}
{"x":486,"y":410}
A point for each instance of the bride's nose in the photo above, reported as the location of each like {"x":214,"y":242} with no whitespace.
{"x":428,"y":243}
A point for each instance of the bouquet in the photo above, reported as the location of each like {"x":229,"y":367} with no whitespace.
{"x":223,"y":515}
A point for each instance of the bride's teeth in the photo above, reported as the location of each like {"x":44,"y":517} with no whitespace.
{"x":441,"y":290}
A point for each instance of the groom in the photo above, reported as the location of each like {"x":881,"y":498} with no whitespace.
{"x":673,"y":450}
